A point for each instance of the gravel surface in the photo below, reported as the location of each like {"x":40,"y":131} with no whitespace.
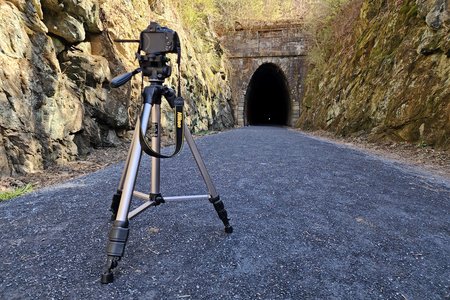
{"x":312,"y":220}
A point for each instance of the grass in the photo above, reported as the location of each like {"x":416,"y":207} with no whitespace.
{"x":16,"y":192}
{"x":198,"y":15}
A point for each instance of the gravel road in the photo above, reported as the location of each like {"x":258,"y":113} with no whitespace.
{"x":312,"y":220}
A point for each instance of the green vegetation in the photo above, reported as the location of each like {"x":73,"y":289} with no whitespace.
{"x":223,"y":14}
{"x":328,"y":27}
{"x":232,"y":11}
{"x":197,"y":14}
{"x":16,"y":192}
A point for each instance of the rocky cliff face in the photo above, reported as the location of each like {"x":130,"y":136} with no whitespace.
{"x":57,"y":58}
{"x":388,"y":77}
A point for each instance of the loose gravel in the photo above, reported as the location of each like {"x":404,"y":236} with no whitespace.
{"x":312,"y":220}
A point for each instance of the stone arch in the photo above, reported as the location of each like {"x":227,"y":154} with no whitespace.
{"x":267,"y":100}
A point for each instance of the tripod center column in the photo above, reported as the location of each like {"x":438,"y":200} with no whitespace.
{"x":156,"y":146}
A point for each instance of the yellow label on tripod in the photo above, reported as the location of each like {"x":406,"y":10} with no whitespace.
{"x":179,"y":119}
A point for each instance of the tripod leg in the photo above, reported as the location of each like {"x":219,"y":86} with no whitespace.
{"x":119,"y":231}
{"x":214,"y":196}
{"x":116,"y":198}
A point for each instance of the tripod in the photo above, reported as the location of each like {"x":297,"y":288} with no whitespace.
{"x":155,"y":68}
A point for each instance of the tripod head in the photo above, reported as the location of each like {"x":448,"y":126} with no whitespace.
{"x":155,"y":66}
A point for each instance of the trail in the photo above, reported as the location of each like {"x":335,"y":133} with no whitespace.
{"x":312,"y":219}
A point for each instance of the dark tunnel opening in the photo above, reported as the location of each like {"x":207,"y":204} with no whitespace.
{"x":267,"y":99}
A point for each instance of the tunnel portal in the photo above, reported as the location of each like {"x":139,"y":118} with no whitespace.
{"x":267,"y":99}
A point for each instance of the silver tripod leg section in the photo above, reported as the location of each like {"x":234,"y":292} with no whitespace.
{"x":156,"y":146}
{"x":133,"y":167}
{"x":134,"y":141}
{"x":201,"y":165}
{"x":117,"y":196}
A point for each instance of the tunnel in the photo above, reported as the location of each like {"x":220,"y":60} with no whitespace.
{"x":267,"y":101}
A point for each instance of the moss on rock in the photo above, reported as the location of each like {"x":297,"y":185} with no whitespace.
{"x":395,"y":86}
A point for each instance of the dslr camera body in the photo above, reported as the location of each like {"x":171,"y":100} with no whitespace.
{"x":154,"y":43}
{"x":158,"y":40}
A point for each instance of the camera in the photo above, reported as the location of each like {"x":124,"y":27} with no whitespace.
{"x":159,"y":40}
{"x":154,"y":43}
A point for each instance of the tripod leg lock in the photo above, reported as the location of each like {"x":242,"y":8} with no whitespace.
{"x":221,"y":212}
{"x":118,"y":237}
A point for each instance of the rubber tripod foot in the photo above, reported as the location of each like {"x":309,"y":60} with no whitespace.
{"x":107,"y":277}
{"x":229,"y":229}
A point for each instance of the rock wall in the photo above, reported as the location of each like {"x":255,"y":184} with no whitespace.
{"x":388,"y":77}
{"x":57,"y":59}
